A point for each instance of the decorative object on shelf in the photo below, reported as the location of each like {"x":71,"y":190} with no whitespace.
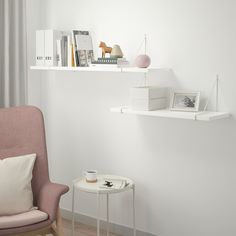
{"x":185,"y":101}
{"x":91,"y":176}
{"x":143,"y":60}
{"x":148,"y":98}
{"x":105,"y":49}
{"x":116,"y":52}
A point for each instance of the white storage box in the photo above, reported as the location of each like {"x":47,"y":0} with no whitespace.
{"x":148,"y":98}
{"x":46,"y":47}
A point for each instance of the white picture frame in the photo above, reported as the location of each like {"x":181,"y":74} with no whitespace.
{"x":182,"y":100}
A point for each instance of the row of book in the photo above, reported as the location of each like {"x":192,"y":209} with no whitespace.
{"x":61,"y":48}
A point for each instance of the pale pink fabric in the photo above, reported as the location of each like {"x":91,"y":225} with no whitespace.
{"x":22,"y":132}
{"x":22,"y":219}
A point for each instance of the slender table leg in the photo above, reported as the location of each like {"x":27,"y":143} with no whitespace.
{"x":98,"y":214}
{"x":108,"y":224}
{"x":73,"y":211}
{"x":134,"y":227}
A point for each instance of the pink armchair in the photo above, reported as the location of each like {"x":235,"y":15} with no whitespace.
{"x":22,"y":132}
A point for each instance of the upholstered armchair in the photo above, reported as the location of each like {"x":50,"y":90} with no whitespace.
{"x":22,"y":132}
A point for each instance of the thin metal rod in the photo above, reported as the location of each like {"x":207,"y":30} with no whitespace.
{"x":108,"y":225}
{"x":145,"y":44}
{"x":134,"y":226}
{"x":73,"y":211}
{"x":215,"y":84}
{"x":217,"y":91}
{"x":98,"y":214}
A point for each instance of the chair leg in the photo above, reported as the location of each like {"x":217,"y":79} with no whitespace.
{"x":59,"y":227}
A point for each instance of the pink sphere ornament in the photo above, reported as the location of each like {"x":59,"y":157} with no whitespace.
{"x":143,"y":61}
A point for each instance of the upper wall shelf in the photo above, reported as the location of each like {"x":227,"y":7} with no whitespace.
{"x":95,"y":69}
{"x":202,"y":116}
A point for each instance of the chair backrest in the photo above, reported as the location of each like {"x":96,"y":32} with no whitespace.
{"x":22,"y":132}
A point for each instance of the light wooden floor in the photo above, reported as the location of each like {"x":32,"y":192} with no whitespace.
{"x":82,"y":230}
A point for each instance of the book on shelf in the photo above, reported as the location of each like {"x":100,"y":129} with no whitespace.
{"x":64,"y":50}
{"x":108,"y":183}
{"x":69,"y":51}
{"x":72,"y":54}
{"x":59,"y":56}
{"x":83,"y":48}
{"x":106,"y":61}
{"x":115,"y":62}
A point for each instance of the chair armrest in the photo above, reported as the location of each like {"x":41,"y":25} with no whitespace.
{"x":49,"y":198}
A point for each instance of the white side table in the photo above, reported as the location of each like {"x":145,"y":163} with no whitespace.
{"x":81,"y":185}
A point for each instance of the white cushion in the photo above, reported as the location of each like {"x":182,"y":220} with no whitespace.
{"x":15,"y":184}
{"x":23,"y":219}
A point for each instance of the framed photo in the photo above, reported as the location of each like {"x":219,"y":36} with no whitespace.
{"x":185,"y":101}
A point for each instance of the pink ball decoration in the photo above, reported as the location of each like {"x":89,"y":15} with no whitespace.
{"x":143,"y":61}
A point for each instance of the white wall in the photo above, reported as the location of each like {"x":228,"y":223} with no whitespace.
{"x":184,"y":170}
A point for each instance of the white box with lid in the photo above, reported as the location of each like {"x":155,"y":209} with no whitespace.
{"x":148,"y":98}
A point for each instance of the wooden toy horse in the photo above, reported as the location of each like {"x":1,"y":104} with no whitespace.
{"x":105,"y":49}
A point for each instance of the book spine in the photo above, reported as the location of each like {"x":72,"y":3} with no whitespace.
{"x":63,"y":51}
{"x":79,"y":61}
{"x":76,"y":58}
{"x":73,"y":55}
{"x":69,"y":51}
{"x":105,"y":61}
{"x":59,"y":56}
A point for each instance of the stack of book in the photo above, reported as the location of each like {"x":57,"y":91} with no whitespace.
{"x":108,"y":61}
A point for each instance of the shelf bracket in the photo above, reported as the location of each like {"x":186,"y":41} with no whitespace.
{"x":216,"y":87}
{"x":217,"y":91}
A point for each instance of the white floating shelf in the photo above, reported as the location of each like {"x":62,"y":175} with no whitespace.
{"x":94,"y":69}
{"x":203,"y":116}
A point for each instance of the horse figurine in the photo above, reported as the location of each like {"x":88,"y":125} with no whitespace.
{"x":105,"y":49}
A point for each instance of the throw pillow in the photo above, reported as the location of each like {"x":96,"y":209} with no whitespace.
{"x":15,"y":184}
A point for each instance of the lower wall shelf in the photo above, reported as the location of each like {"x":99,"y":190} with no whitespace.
{"x":201,"y":116}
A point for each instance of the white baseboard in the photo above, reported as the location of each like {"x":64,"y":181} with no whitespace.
{"x":115,"y":228}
